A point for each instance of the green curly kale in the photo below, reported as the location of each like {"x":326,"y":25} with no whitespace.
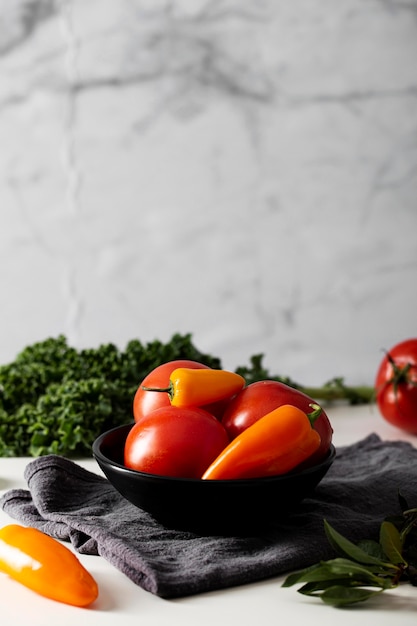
{"x":57,"y":400}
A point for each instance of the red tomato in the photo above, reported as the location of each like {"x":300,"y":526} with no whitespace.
{"x":146,"y":401}
{"x":258,"y":399}
{"x":174,"y":441}
{"x":396,"y":386}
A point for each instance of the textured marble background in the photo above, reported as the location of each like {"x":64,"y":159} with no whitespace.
{"x":244,"y":170}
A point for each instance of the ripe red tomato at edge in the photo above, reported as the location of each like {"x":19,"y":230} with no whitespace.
{"x":176,"y":442}
{"x":259,"y":398}
{"x":396,"y":388}
{"x":144,"y":402}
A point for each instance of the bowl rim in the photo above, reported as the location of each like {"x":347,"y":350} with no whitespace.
{"x":101,"y":458}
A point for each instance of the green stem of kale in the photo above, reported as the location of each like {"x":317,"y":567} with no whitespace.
{"x":332,"y":391}
{"x":353,"y":395}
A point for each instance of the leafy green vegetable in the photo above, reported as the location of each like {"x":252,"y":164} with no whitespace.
{"x":365,"y":569}
{"x":56,"y":399}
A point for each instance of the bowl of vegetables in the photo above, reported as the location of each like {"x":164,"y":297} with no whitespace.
{"x":208,"y":506}
{"x":217,"y":456}
{"x":213,"y":506}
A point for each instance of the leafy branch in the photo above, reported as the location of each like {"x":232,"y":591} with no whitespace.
{"x":363,"y":570}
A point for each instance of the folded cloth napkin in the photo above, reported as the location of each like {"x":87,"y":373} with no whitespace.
{"x":69,"y":503}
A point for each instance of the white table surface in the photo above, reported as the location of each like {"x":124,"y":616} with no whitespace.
{"x":263,"y":603}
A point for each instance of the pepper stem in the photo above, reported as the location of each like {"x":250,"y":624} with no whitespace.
{"x":169,"y":390}
{"x":317,"y":410}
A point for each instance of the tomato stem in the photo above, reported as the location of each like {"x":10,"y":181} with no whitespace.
{"x":401,"y":374}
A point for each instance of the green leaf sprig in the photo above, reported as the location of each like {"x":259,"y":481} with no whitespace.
{"x":363,"y":570}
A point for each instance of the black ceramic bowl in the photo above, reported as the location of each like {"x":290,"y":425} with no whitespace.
{"x":206,"y":506}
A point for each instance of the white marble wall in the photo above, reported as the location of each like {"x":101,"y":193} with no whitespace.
{"x":244,"y":170}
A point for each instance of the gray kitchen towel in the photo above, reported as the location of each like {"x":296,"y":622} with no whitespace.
{"x":69,"y":503}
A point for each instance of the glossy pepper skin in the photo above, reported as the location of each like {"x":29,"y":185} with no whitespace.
{"x":199,"y":387}
{"x":45,"y":566}
{"x":276,"y":444}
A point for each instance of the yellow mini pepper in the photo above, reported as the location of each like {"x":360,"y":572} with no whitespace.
{"x":45,"y":565}
{"x":199,"y":387}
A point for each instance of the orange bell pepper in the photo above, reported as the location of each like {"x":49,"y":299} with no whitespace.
{"x":199,"y":387}
{"x":274,"y":445}
{"x":46,"y":566}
